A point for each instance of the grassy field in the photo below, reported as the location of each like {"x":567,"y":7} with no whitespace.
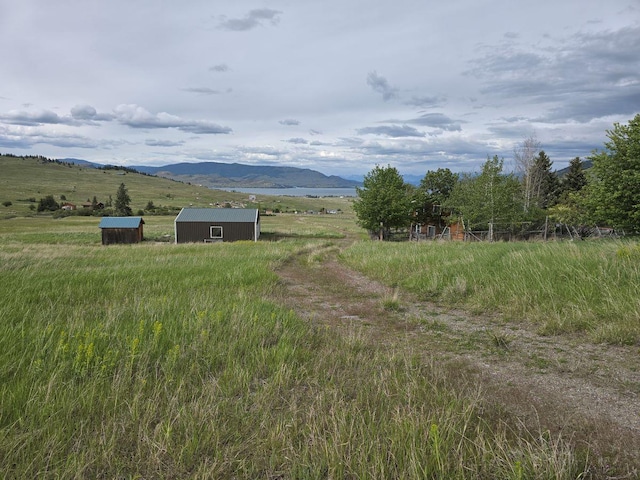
{"x":589,"y":287}
{"x":177,"y":361}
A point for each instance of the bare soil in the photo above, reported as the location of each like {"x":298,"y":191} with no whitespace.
{"x":588,"y":393}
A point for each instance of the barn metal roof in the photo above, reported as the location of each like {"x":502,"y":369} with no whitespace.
{"x":120,"y":222}
{"x":222,"y":215}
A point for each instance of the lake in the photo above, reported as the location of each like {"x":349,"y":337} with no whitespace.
{"x":297,"y":191}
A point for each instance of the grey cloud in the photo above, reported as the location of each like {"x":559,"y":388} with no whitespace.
{"x":135,"y":116}
{"x":314,"y":132}
{"x":35,"y":118}
{"x":289,"y":121}
{"x":253,"y":19}
{"x":222,"y":67}
{"x":87,"y":112}
{"x":297,"y":140}
{"x":380,"y":84}
{"x":261,"y":151}
{"x":587,"y":76}
{"x":80,"y":115}
{"x":425,"y":101}
{"x":27,"y":139}
{"x":394,"y":131}
{"x":624,"y":102}
{"x":437,"y":120}
{"x":202,"y":90}
{"x":162,"y":143}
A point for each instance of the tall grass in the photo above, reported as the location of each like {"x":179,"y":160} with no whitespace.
{"x":176,"y":361}
{"x":588,"y":287}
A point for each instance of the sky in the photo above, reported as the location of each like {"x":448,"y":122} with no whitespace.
{"x":338,"y":86}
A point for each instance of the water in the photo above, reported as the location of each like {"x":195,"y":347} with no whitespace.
{"x":297,"y":191}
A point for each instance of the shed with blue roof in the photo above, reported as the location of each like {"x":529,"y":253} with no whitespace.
{"x":121,"y":230}
{"x":211,"y":225}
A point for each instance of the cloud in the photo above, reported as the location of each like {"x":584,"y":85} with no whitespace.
{"x":314,"y":132}
{"x":289,"y":121}
{"x":437,"y":120}
{"x":298,"y":141}
{"x":80,"y":115}
{"x":425,"y":101}
{"x":162,"y":143}
{"x":380,"y":84}
{"x":24,"y":138}
{"x":253,"y":19}
{"x":222,"y":67}
{"x":580,"y":78}
{"x":40,"y":117}
{"x":202,"y":90}
{"x":87,"y":112}
{"x":394,"y":131}
{"x":135,"y":116}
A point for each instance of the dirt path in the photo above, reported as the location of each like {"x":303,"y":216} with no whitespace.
{"x":590,"y":393}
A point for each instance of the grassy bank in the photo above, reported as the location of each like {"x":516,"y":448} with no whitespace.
{"x":176,"y":361}
{"x":587,"y":287}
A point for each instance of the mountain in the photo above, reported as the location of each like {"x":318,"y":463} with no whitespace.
{"x":229,"y":175}
{"x":586,"y":164}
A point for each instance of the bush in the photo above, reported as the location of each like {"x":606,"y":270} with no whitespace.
{"x":7,"y":203}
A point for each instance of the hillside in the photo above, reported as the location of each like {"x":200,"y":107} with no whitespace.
{"x":25,"y":180}
{"x":214,"y":174}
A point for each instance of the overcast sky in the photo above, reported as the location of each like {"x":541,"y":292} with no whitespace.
{"x":338,"y":86}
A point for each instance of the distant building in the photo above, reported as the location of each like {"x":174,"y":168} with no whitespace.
{"x":217,"y":225}
{"x":121,"y":230}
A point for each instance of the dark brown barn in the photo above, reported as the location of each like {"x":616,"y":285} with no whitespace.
{"x":217,"y":225}
{"x":121,"y":230}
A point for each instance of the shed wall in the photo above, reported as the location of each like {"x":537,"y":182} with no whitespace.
{"x":187,"y":232}
{"x":121,"y":235}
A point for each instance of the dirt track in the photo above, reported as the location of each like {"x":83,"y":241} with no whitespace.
{"x":588,"y":393}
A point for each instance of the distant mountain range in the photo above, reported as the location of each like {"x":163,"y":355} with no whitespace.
{"x":230,"y":175}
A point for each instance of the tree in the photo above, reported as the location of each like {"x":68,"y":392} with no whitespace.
{"x":575,"y":178}
{"x":383,"y":203}
{"x":121,"y":205}
{"x":488,"y":198}
{"x":525,"y":157}
{"x":544,"y":182}
{"x":48,"y":203}
{"x":433,"y":192}
{"x":613,"y":191}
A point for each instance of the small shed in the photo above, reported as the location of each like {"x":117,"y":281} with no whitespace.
{"x":211,"y":225}
{"x":121,"y":230}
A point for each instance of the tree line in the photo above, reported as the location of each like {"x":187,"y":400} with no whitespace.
{"x":606,"y":194}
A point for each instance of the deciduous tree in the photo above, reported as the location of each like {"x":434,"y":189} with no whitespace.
{"x":613,"y":192}
{"x":383,"y":202}
{"x":488,"y":198}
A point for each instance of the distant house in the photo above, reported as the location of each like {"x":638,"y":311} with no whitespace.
{"x":217,"y":225}
{"x":91,"y":206}
{"x":68,"y":206}
{"x":121,"y":230}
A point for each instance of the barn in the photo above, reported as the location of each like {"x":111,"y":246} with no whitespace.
{"x":121,"y":230}
{"x":217,"y":225}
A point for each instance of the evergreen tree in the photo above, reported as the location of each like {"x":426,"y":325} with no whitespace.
{"x":575,"y":178}
{"x":545,"y":182}
{"x":121,"y":206}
